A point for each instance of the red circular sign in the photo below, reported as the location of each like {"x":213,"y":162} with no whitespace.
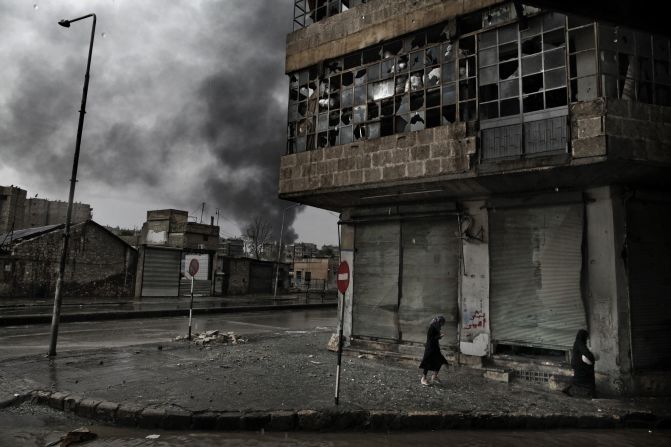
{"x":343,"y":277}
{"x":193,"y":267}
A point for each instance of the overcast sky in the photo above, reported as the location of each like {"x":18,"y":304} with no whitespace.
{"x":186,"y":104}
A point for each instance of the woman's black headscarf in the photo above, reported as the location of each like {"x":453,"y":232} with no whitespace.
{"x":438,"y":321}
{"x":580,"y":348}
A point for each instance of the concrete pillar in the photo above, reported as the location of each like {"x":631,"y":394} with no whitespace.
{"x":347,"y":254}
{"x":605,"y":290}
{"x":474,"y":285}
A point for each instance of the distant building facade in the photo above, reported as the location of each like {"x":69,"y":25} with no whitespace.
{"x":232,"y":247}
{"x":168,"y":244}
{"x":18,"y":212}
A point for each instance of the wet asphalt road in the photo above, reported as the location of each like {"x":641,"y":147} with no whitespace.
{"x":17,"y":341}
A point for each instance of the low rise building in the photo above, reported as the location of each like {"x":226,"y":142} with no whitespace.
{"x":98,"y":262}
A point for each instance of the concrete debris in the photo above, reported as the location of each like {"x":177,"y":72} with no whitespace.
{"x":153,"y":436}
{"x":333,"y":343}
{"x":81,"y":434}
{"x":212,"y":337}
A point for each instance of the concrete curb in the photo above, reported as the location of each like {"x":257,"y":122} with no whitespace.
{"x":16,"y":320}
{"x":174,"y":418}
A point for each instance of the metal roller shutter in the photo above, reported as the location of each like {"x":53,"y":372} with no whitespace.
{"x":649,"y":261}
{"x":536,"y":259}
{"x":375,"y":299}
{"x":161,"y":272}
{"x":430,"y":277}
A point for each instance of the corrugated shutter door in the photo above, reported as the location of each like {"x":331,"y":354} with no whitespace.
{"x":649,"y":260}
{"x":261,"y":278}
{"x":430,"y":278}
{"x":161,"y":272}
{"x":375,"y":299}
{"x":535,"y":296}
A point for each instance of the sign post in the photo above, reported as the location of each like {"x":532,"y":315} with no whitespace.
{"x":193,"y":270}
{"x":343,"y":284}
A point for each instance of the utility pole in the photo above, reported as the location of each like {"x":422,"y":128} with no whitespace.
{"x":202,"y":210}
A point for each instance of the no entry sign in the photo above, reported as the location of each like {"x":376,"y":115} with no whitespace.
{"x":194,"y":265}
{"x":343,"y":277}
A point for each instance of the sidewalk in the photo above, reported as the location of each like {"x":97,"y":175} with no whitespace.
{"x":286,"y":381}
{"x":19,"y":311}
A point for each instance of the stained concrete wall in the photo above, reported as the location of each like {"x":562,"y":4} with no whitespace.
{"x":368,"y":25}
{"x":605,"y":294}
{"x":474,"y":285}
{"x":427,"y":153}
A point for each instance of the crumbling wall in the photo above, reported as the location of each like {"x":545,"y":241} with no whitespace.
{"x":97,"y":264}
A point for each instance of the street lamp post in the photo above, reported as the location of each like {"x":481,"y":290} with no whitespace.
{"x":279,"y":250}
{"x":58,"y":298}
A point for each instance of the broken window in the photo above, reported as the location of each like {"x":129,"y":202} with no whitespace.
{"x":307,"y":12}
{"x":634,"y":65}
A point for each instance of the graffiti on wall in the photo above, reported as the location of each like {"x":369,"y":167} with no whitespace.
{"x":474,"y":319}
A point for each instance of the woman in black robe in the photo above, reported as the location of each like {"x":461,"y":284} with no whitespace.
{"x":433,"y":359}
{"x":582,"y":362}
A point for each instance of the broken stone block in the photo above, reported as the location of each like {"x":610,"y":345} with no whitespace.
{"x":333,"y":343}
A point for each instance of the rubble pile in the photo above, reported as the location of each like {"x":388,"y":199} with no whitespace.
{"x":211,"y":337}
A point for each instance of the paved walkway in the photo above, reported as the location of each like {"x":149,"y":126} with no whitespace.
{"x":285,"y":381}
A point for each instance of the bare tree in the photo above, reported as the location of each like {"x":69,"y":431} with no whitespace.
{"x":257,"y":233}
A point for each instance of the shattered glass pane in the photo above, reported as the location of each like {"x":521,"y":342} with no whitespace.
{"x":508,"y":52}
{"x":467,"y":46}
{"x":510,"y":107}
{"x":554,"y":39}
{"x":416,"y":101}
{"x":508,"y":34}
{"x":359,"y":114}
{"x":345,"y":134}
{"x":555,"y":98}
{"x":489,"y":110}
{"x":346,"y":98}
{"x":467,"y":67}
{"x":334,"y":118}
{"x":402,"y":124}
{"x":417,"y":59}
{"x":489,"y":93}
{"x":553,"y":20}
{"x":360,"y":95}
{"x":433,"y":97}
{"x":554,"y":59}
{"x":417,"y":80}
{"x":334,"y":140}
{"x":467,"y":111}
{"x":322,"y":139}
{"x":487,"y":39}
{"x":347,"y":79}
{"x":360,"y":77}
{"x":388,"y":68}
{"x":401,"y":104}
{"x":402,"y":63}
{"x":448,"y":51}
{"x":487,"y":57}
{"x":387,"y":108}
{"x":346,"y":116}
{"x":402,"y":84}
{"x":333,"y":66}
{"x":432,"y":77}
{"x":532,"y":83}
{"x":449,"y":72}
{"x":360,"y":132}
{"x":532,"y":103}
{"x":373,"y":110}
{"x":372,"y":55}
{"x":467,"y":89}
{"x":380,"y":90}
{"x":508,"y":70}
{"x":352,"y":61}
{"x":449,"y":94}
{"x":387,"y":126}
{"x":489,"y":75}
{"x":433,"y":118}
{"x":374,"y":130}
{"x":532,"y":45}
{"x":373,"y":72}
{"x":392,"y":49}
{"x":509,"y":88}
{"x":449,"y":114}
{"x":581,"y":39}
{"x":417,"y":121}
{"x":334,"y":101}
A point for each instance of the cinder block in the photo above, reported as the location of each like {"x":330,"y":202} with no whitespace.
{"x":499,"y":376}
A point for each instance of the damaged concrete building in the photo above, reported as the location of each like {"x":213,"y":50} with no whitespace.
{"x":503,"y":164}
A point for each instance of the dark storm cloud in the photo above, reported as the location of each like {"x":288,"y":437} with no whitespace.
{"x":179,"y":91}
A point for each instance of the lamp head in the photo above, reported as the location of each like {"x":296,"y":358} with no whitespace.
{"x":64,"y":23}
